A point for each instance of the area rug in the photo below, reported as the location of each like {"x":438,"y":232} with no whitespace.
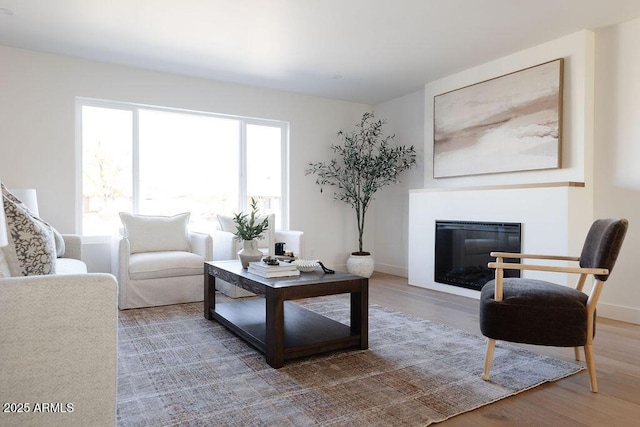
{"x":177,"y":368}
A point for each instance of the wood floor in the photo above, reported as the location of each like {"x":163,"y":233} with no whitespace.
{"x":567,"y":402}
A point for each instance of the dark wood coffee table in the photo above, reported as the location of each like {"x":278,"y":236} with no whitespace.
{"x":280,"y":329}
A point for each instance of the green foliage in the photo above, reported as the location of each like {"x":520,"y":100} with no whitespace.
{"x":365,"y":163}
{"x":247,"y":225}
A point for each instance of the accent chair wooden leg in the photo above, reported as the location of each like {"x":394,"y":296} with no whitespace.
{"x":488,"y":358}
{"x":576,"y":351}
{"x":591,"y":367}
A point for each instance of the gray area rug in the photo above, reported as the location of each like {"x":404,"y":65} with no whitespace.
{"x":177,"y":368}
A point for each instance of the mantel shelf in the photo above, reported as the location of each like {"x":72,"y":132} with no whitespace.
{"x":502,"y":187}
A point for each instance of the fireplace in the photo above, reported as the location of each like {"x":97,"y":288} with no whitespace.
{"x":462,"y":251}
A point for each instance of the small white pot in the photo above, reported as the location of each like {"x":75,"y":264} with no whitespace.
{"x":362,"y":265}
{"x":249,"y":253}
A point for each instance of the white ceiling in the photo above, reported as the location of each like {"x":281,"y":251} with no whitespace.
{"x":365,"y":51}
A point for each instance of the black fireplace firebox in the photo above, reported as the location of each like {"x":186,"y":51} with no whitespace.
{"x":463,"y":248}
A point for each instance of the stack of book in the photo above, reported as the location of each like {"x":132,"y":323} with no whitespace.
{"x":284,"y":269}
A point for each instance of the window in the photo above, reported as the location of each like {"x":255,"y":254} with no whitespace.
{"x":106,"y":168}
{"x":159,"y":161}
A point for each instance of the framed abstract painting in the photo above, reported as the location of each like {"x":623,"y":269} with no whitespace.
{"x":506,"y":124}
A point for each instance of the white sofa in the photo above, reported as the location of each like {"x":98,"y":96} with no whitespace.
{"x":59,"y":344}
{"x":71,"y":262}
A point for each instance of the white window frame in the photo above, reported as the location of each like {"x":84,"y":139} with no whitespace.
{"x":134,"y":108}
{"x":284,"y":164}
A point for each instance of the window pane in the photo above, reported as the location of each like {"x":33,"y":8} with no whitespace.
{"x":178,"y":161}
{"x":264,"y":169}
{"x":188,"y":163}
{"x":106,"y":168}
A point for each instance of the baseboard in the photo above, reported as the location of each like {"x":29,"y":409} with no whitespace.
{"x":618,"y":312}
{"x":382,"y":268}
{"x":392,"y":269}
{"x":449,"y":289}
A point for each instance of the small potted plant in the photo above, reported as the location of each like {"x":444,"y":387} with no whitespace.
{"x":249,"y":229}
{"x":365,"y":163}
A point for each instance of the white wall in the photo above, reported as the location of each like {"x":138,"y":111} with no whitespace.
{"x":577,"y":132}
{"x":617,"y":158}
{"x":554,"y":219}
{"x":390,"y":211}
{"x":38,"y":147}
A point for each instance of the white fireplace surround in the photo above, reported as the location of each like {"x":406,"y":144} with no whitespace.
{"x":555,"y":218}
{"x":554,"y":206}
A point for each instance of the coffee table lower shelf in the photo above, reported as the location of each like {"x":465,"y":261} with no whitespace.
{"x":305,"y":332}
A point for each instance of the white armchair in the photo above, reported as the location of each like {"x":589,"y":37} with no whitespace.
{"x":225,"y":247}
{"x":158,"y":261}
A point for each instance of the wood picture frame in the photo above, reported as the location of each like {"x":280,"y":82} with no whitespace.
{"x":509,"y":123}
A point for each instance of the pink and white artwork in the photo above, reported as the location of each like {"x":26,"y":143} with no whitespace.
{"x":510,"y":123}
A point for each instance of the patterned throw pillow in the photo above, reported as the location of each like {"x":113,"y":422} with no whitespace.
{"x":60,"y":248}
{"x":31,"y":250}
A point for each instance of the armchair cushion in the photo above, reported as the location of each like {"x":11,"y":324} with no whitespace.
{"x":155,"y":265}
{"x":156,"y":233}
{"x":534,"y":312}
{"x":227,"y":223}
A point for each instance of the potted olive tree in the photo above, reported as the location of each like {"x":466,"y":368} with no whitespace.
{"x":364,"y":163}
{"x":249,"y":228}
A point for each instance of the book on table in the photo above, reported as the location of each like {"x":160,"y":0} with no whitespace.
{"x":283,"y":266}
{"x":280,"y":270}
{"x":270,"y":274}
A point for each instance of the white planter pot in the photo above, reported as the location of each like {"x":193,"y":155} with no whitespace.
{"x":362,"y":265}
{"x":249,"y":253}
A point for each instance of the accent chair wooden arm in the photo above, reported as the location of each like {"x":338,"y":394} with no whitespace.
{"x":551,"y":268}
{"x":534,"y":256}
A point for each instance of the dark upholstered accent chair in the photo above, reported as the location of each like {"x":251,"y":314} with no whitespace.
{"x":538,"y":312}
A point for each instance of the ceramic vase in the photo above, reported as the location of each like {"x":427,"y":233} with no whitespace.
{"x":249,"y":253}
{"x":362,"y":265}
